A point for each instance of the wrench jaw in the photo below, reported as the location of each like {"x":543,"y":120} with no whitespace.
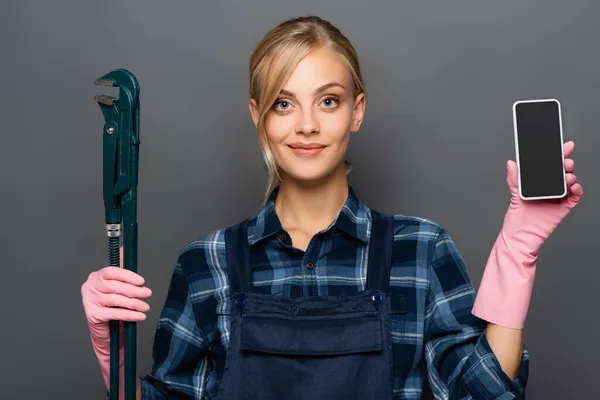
{"x":110,"y":111}
{"x":120,"y":135}
{"x":106,"y":100}
{"x":124,"y":80}
{"x":105,"y":82}
{"x":129,"y":90}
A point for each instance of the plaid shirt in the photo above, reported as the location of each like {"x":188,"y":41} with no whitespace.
{"x":437,"y":336}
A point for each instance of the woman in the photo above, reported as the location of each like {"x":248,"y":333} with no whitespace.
{"x":319,"y":296}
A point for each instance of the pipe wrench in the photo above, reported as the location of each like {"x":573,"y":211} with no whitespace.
{"x":121,"y":140}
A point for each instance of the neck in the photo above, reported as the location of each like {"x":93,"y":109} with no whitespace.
{"x":311,"y":207}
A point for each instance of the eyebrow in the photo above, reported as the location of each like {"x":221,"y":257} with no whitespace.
{"x":319,"y":90}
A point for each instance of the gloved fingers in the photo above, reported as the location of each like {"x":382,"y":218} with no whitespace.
{"x":116,"y":300}
{"x":576,"y":190}
{"x":121,"y":314}
{"x":568,"y":148}
{"x":569,"y":165}
{"x":512,"y":178}
{"x":109,"y":286}
{"x":120,"y":274}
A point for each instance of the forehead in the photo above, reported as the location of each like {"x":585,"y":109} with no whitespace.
{"x":319,"y":67}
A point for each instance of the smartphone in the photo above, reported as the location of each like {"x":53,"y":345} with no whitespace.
{"x":539,"y":149}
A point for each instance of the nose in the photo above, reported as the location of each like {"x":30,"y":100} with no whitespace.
{"x":308,"y":123}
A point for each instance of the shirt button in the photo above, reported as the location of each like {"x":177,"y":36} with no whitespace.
{"x":283,"y":237}
{"x":310,"y":265}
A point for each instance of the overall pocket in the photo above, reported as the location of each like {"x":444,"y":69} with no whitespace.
{"x":307,"y":356}
{"x":315,"y":336}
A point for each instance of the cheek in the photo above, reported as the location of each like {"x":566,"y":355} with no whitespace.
{"x":278,"y":128}
{"x":337,"y":125}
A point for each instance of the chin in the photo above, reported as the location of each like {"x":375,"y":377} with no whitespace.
{"x":307,"y":175}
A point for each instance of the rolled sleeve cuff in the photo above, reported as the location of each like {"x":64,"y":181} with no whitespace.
{"x":485,"y":378}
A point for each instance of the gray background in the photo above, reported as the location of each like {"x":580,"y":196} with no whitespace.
{"x":441,"y":79}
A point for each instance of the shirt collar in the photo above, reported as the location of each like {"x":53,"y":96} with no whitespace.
{"x":352,"y":219}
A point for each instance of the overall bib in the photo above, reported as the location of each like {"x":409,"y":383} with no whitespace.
{"x":309,"y":348}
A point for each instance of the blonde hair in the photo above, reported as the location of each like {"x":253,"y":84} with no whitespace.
{"x":274,"y":60}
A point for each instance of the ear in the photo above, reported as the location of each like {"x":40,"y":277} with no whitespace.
{"x":253,"y":111}
{"x":358,"y":113}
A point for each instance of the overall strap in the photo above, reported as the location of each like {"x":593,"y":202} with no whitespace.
{"x":380,"y":251}
{"x":238,"y":258}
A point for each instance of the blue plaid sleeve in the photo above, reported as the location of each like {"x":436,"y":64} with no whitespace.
{"x":180,"y":350}
{"x":460,"y":361}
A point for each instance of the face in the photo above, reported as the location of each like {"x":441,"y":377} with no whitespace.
{"x":309,"y":125}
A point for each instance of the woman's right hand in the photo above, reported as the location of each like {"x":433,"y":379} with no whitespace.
{"x":112,"y":293}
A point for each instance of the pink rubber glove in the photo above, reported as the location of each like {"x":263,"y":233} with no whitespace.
{"x":505,"y":291}
{"x":106,"y":288}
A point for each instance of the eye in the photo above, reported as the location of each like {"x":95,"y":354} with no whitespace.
{"x":330,"y":101}
{"x":281,"y":105}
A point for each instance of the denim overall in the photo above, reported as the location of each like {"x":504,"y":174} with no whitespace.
{"x":309,"y":348}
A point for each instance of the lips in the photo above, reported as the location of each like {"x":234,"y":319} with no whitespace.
{"x":306,"y":146}
{"x":306,"y":149}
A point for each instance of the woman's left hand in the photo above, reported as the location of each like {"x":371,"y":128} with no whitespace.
{"x":505,"y":290}
{"x":530,"y":222}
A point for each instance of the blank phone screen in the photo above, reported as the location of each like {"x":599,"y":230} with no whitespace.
{"x":539,"y":148}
